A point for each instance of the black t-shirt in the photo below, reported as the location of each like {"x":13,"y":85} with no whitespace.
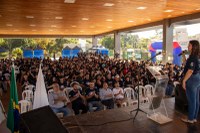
{"x":88,"y":91}
{"x":192,"y":63}
{"x":72,"y":94}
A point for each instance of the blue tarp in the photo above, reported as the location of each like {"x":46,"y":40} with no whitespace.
{"x":28,"y":53}
{"x":75,"y":51}
{"x":102,"y":51}
{"x":38,"y":53}
{"x":66,"y":53}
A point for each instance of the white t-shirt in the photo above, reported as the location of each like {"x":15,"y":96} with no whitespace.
{"x":116,"y":91}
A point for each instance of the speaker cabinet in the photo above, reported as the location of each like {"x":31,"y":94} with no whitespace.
{"x":41,"y":120}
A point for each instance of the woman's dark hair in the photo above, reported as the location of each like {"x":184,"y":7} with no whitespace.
{"x":195,"y":48}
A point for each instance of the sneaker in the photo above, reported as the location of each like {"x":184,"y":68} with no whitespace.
{"x":195,"y":120}
{"x":187,"y":121}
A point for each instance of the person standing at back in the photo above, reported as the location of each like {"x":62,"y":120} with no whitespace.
{"x":191,"y":81}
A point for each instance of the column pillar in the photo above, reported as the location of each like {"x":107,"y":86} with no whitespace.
{"x":117,"y":44}
{"x":94,"y":41}
{"x":167,"y":41}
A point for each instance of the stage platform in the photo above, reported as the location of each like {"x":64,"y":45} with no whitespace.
{"x":141,"y":124}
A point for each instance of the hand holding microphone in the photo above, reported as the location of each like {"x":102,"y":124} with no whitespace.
{"x":183,"y":52}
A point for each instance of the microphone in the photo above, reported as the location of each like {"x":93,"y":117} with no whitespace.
{"x":154,"y":56}
{"x":183,"y":52}
{"x":159,"y":53}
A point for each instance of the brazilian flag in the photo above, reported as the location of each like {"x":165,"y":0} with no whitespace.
{"x":13,"y":110}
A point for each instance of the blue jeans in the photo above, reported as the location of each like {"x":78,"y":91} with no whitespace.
{"x":65,"y":110}
{"x":96,"y":104}
{"x":169,"y":90}
{"x":192,"y":92}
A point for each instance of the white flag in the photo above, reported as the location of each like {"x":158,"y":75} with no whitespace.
{"x":40,"y":96}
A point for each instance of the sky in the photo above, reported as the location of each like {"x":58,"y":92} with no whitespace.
{"x":191,"y":29}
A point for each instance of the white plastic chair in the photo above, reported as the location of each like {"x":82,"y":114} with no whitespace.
{"x":24,"y":106}
{"x":149,"y":90}
{"x":30,"y":87}
{"x":27,"y":95}
{"x":141,"y":93}
{"x":67,"y":90}
{"x":176,"y":83}
{"x":50,"y":91}
{"x":128,"y":92}
{"x":17,"y":70}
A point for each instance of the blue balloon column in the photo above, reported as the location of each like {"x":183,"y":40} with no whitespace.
{"x":176,"y":51}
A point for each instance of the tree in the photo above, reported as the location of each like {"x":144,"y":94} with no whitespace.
{"x":143,"y":43}
{"x":129,"y":40}
{"x":17,"y":52}
{"x":107,"y":42}
{"x":29,"y":43}
{"x":11,"y":44}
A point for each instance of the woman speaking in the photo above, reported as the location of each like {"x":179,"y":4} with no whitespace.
{"x":191,"y":81}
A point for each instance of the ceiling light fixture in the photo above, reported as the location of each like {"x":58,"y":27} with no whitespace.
{"x":32,"y":25}
{"x":130,"y":21}
{"x":141,"y":8}
{"x":85,"y":19}
{"x":168,"y":10}
{"x":109,"y":27}
{"x":148,"y":19}
{"x":69,"y":1}
{"x":15,"y":30}
{"x":29,"y":16}
{"x":50,"y":30}
{"x":58,"y":17}
{"x":73,"y":26}
{"x":108,"y":4}
{"x":109,"y":20}
{"x":9,"y":25}
{"x":34,"y":30}
{"x":197,"y":9}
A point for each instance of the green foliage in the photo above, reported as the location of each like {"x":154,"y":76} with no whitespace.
{"x":107,"y":42}
{"x":143,"y":43}
{"x":129,"y":41}
{"x":17,"y":52}
{"x":71,"y":40}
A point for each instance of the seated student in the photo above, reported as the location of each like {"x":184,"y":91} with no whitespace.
{"x":106,"y":96}
{"x":58,"y":101}
{"x":119,"y":94}
{"x":77,"y":99}
{"x":92,"y":96}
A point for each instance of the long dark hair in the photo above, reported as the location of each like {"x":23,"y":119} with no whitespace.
{"x":195,"y":48}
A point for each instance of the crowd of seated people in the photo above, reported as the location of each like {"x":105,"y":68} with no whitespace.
{"x":101,"y":78}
